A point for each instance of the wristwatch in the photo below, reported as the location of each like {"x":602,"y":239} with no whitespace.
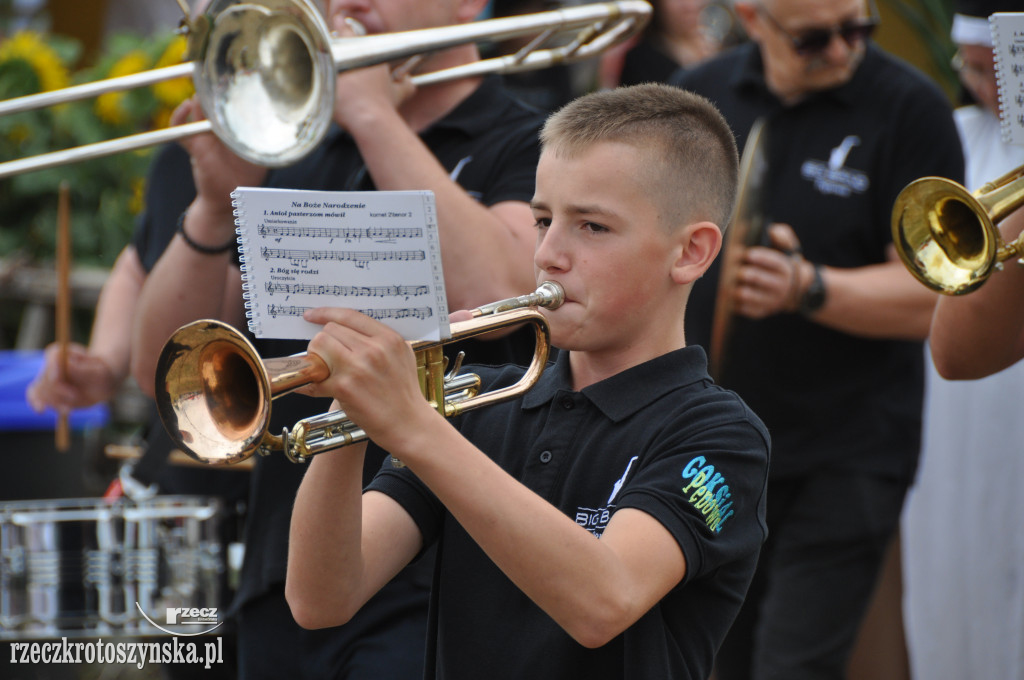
{"x":814,"y":296}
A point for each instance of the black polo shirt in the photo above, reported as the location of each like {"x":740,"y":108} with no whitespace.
{"x":489,"y":144}
{"x":838,"y":160}
{"x":660,"y":437}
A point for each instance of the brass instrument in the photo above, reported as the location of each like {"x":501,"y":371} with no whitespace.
{"x":213,"y":392}
{"x":947,"y":236}
{"x":264,"y":71}
{"x":749,"y":228}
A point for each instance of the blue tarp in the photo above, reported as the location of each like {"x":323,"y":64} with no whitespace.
{"x":17,"y":369}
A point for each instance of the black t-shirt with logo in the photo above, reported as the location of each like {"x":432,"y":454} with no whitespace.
{"x":659,"y":437}
{"x":837,"y":161}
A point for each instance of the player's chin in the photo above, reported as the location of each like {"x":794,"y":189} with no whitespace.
{"x":563,"y":335}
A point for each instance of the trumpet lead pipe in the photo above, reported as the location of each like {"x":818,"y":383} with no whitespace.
{"x":549,"y":295}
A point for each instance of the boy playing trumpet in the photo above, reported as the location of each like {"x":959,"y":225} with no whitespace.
{"x":624,"y":439}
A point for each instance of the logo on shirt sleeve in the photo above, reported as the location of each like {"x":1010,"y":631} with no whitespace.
{"x":708,"y":493}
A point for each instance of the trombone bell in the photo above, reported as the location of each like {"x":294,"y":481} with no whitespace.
{"x":266,"y":79}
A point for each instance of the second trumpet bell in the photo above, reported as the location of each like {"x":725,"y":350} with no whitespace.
{"x":947,"y":236}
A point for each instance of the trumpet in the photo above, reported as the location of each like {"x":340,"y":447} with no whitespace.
{"x":947,"y":236}
{"x":264,"y":71}
{"x":213,"y":391}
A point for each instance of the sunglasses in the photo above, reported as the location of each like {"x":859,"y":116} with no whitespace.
{"x":816,"y":40}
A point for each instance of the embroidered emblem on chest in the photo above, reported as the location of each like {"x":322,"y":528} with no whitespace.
{"x":831,"y":177}
{"x":595,"y":520}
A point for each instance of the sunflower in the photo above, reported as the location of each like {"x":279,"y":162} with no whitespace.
{"x":29,"y":48}
{"x":110,"y":107}
{"x":170,"y":93}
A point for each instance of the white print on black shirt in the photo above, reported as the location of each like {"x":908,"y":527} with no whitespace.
{"x":832,"y":178}
{"x":595,"y":520}
{"x":454,"y":175}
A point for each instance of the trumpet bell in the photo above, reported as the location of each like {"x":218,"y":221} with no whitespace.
{"x":944,"y":235}
{"x":266,"y":79}
{"x":215,"y":396}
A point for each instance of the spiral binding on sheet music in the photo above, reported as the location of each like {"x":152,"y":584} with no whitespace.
{"x":252,"y":314}
{"x":1008,"y":53}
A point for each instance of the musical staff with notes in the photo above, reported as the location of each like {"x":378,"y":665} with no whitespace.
{"x":370,"y":233}
{"x":375,"y":252}
{"x":1008,"y":50}
{"x":378,"y":314}
{"x":348,"y":291}
{"x":360,"y":258}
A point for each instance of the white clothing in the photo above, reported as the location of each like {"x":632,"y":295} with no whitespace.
{"x":963,"y":522}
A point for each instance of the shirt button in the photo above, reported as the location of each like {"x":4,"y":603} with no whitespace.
{"x":567,"y":403}
{"x":545,"y":456}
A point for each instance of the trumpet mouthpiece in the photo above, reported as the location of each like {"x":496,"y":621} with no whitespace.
{"x":548,"y":295}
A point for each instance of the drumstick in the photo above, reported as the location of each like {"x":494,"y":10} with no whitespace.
{"x":62,"y":305}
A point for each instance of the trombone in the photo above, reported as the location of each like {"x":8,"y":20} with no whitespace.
{"x":947,"y":236}
{"x":213,"y":391}
{"x":264,"y":71}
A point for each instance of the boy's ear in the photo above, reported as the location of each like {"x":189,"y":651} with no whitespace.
{"x":698,"y":247}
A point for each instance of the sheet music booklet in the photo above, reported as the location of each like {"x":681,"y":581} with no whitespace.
{"x":375,"y":251}
{"x":1008,"y":40}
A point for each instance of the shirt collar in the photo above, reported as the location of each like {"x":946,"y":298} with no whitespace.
{"x":625,"y":393}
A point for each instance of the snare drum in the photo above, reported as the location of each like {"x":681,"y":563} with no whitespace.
{"x":84,"y":567}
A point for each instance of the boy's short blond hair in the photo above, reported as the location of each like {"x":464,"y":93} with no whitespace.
{"x":693,"y":159}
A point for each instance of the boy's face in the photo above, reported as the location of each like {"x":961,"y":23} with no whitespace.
{"x":601,"y":237}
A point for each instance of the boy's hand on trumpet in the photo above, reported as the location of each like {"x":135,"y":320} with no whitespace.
{"x":372,"y":374}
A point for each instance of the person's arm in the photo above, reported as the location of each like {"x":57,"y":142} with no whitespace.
{"x":187,"y":284}
{"x":335,"y":560}
{"x":981,"y":333}
{"x":875,"y":301}
{"x":593,"y":588}
{"x":95,"y":373}
{"x":487,"y":252}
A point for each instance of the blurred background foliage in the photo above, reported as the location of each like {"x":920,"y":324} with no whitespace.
{"x":918,"y":31}
{"x":106,"y":193}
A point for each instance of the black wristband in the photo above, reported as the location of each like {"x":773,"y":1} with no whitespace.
{"x":199,"y":247}
{"x":814,"y":297}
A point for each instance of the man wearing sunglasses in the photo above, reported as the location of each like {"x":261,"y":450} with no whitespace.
{"x":827,"y":323}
